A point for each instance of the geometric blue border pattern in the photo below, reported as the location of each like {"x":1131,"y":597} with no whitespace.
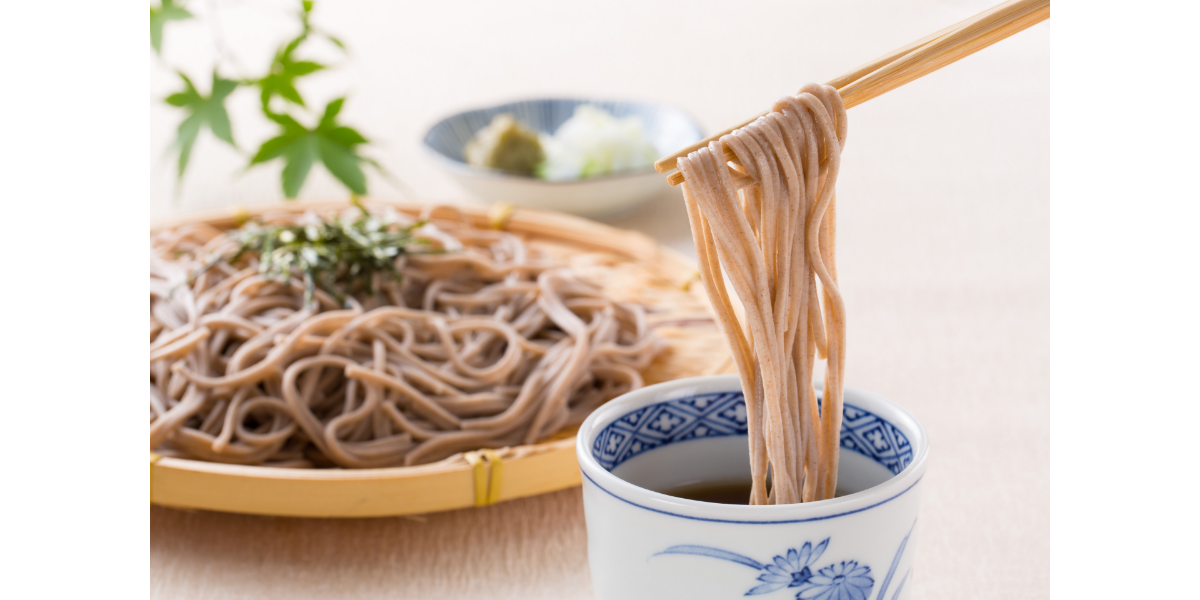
{"x":723,"y":414}
{"x":682,"y":419}
{"x":875,"y":438}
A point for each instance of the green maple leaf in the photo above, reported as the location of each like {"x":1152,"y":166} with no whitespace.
{"x":334,"y":145}
{"x":281,"y":79}
{"x":202,"y":112}
{"x":167,"y":11}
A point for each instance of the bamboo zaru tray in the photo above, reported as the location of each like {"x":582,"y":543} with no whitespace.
{"x":627,"y":264}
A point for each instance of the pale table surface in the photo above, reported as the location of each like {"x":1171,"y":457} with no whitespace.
{"x":943,"y":259}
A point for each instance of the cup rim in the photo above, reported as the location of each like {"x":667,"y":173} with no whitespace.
{"x":895,"y":487}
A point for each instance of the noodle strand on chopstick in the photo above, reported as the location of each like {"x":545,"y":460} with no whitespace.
{"x":774,"y":240}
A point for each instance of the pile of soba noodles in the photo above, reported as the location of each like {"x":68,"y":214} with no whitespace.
{"x":468,"y":339}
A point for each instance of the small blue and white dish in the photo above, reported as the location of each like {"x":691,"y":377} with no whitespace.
{"x":668,"y":128}
{"x":644,"y":544}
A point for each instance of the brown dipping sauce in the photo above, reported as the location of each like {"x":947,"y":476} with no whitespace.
{"x":736,"y":491}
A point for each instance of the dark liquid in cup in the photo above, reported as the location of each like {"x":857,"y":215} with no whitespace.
{"x":736,"y":491}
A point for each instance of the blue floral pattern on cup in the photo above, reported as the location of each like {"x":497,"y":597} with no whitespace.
{"x":792,"y":569}
{"x":844,"y":580}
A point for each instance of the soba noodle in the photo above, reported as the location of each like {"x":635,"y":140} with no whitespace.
{"x":767,"y":221}
{"x":487,"y":344}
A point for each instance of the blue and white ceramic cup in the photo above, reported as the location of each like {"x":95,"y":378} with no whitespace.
{"x":643,"y":544}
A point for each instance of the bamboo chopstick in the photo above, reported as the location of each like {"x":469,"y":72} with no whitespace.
{"x":911,"y":62}
{"x":986,"y":29}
